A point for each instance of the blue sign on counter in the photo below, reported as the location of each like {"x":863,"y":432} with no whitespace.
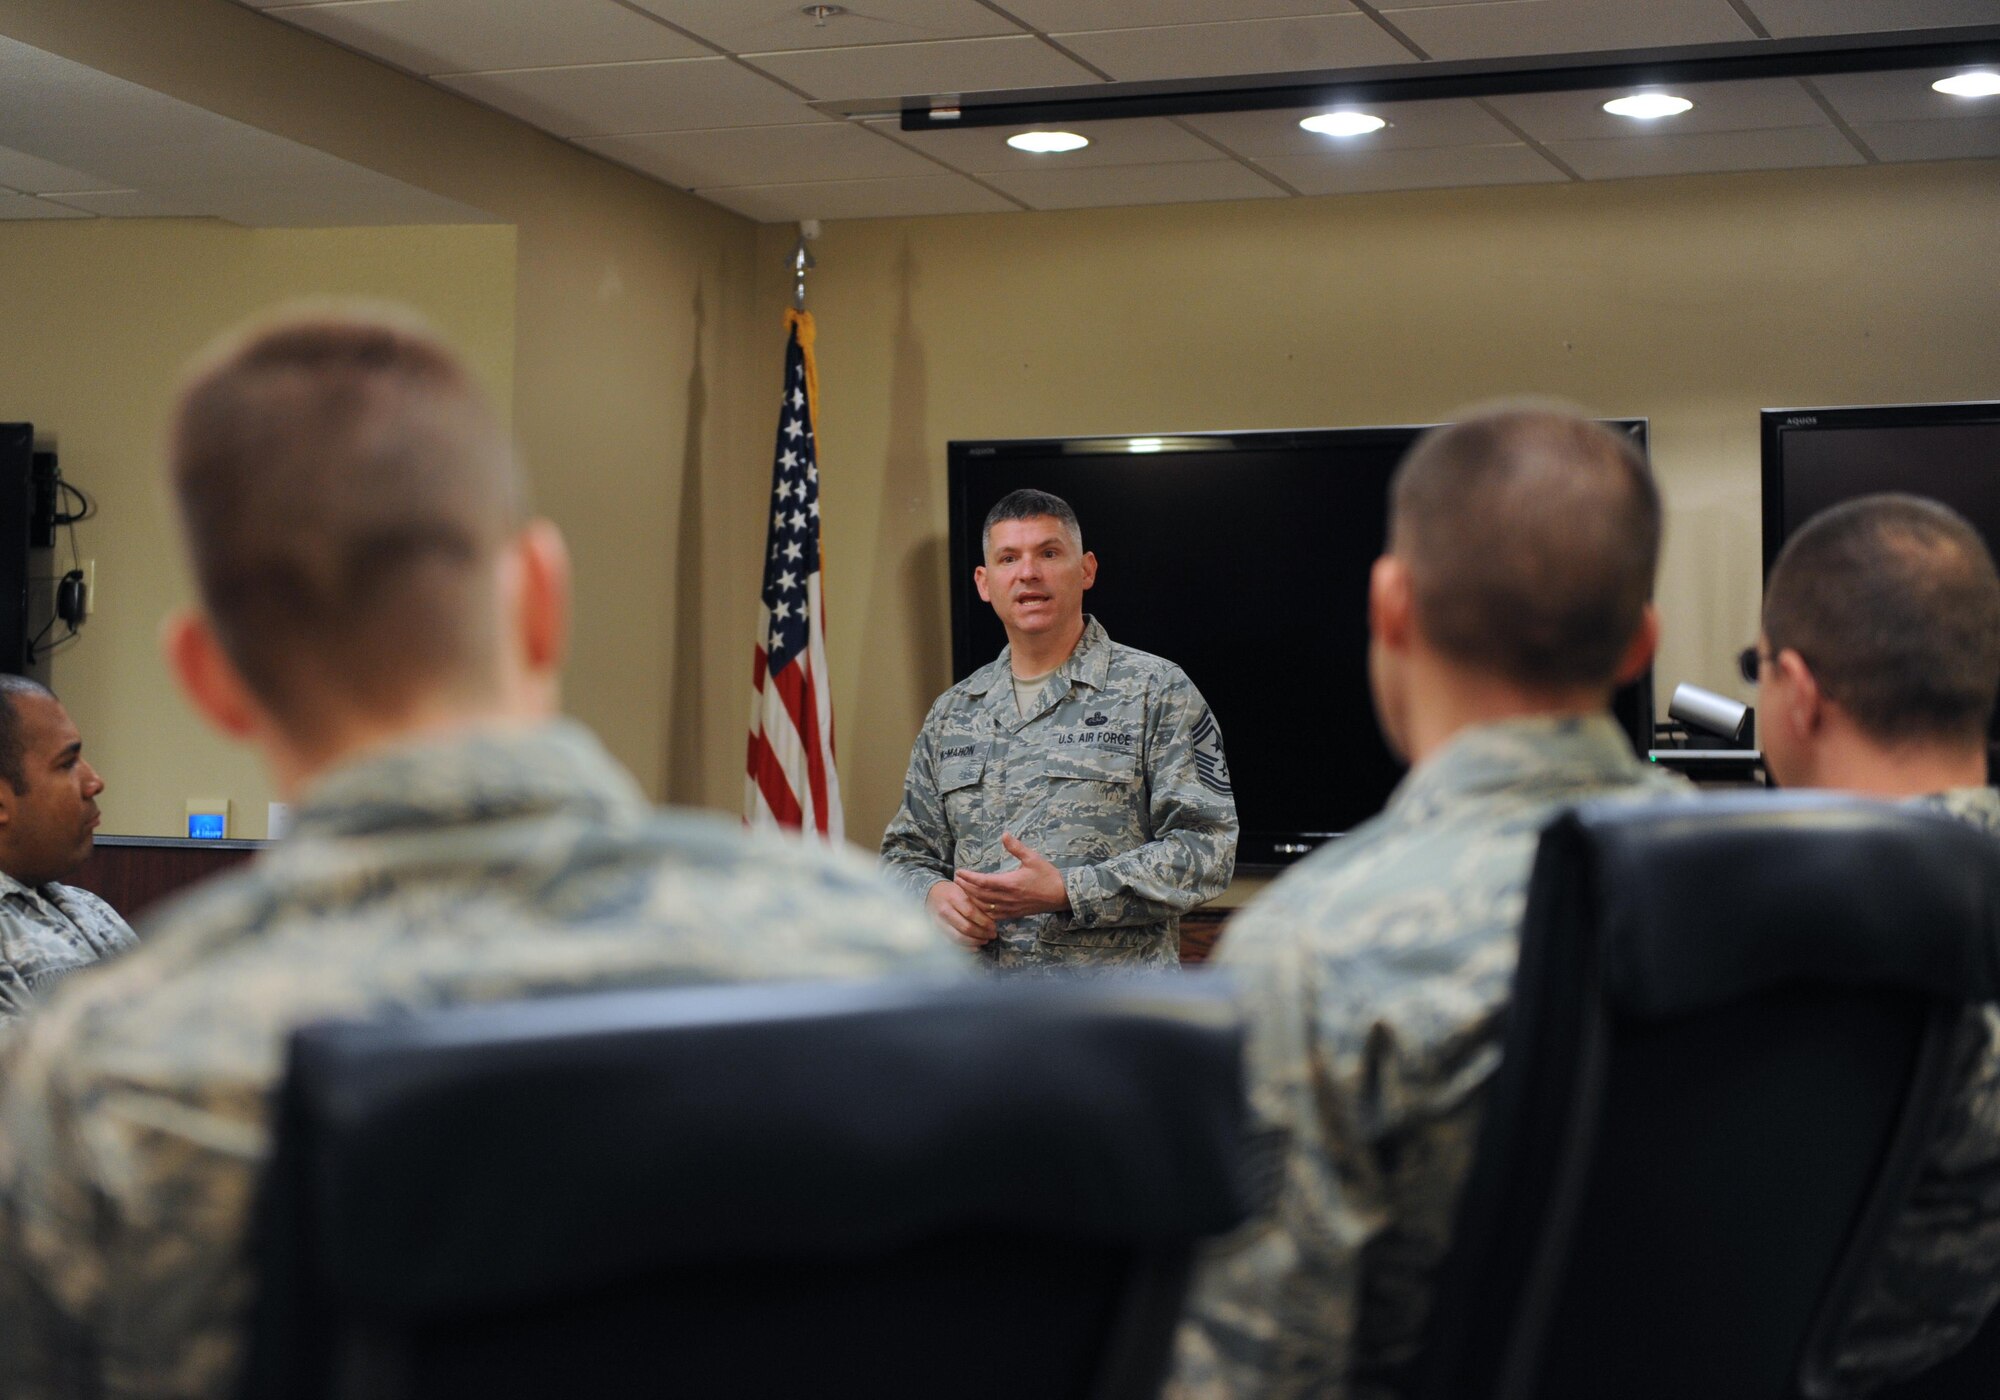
{"x":206,"y":826}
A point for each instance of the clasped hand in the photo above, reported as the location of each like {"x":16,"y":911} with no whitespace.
{"x":972,"y":903}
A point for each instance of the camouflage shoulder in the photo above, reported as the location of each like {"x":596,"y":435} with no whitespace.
{"x":1130,"y":661}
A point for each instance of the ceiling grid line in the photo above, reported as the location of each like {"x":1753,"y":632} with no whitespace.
{"x":1527,"y":139}
{"x":1840,"y":123}
{"x":1390,"y":28}
{"x":1246,"y":162}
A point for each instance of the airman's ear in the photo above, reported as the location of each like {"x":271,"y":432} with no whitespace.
{"x":1391,"y":603}
{"x":208,"y":677}
{"x":1801,"y":699}
{"x":1639,"y":652}
{"x":542,"y":609}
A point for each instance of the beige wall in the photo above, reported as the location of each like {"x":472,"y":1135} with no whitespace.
{"x":97,"y":320}
{"x":630,"y":308}
{"x":1693,"y":301}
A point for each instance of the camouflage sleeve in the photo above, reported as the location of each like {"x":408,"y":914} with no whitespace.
{"x":917,"y":847}
{"x":1192,"y":814}
{"x":1939,"y":1273}
{"x":1272,"y":1309}
{"x":47,"y":1267}
{"x":15,"y":998}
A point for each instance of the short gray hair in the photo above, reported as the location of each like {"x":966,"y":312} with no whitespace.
{"x":1030,"y":504}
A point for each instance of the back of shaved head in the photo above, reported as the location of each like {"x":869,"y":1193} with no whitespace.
{"x":344,"y":489}
{"x":1531,"y":537}
{"x":1894,"y":603}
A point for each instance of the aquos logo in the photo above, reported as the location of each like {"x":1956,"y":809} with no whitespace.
{"x":1802,"y":420}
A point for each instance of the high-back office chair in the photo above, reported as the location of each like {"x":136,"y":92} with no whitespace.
{"x":880,"y":1190}
{"x":1730,"y":1038}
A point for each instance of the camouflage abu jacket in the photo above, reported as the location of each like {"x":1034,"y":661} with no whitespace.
{"x":1940,"y":1268}
{"x":46,"y":934}
{"x":1373,"y":977}
{"x":1119,"y":780}
{"x":494,"y":865}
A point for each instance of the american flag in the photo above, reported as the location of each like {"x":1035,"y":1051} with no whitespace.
{"x":791,"y":776}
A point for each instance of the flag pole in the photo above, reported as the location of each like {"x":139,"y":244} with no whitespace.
{"x":803,"y":262}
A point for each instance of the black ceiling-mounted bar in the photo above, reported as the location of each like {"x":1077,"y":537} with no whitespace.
{"x":1964,"y":46}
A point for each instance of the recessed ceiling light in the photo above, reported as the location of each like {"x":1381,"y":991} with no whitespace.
{"x":1647,"y":106}
{"x":1344,"y":123}
{"x":1969,"y":85}
{"x":1044,"y":143}
{"x":1145,"y":445}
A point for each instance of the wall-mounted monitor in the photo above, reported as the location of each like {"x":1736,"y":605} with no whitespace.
{"x":1819,"y":457}
{"x":1243,"y":557}
{"x":17,"y":500}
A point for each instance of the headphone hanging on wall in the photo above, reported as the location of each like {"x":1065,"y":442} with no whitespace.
{"x":69,"y":599}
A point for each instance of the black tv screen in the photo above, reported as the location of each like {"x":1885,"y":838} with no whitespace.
{"x":1244,"y":558}
{"x":17,"y":493}
{"x":1819,"y":457}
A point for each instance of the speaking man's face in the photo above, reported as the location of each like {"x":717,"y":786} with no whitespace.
{"x":1035,"y":576}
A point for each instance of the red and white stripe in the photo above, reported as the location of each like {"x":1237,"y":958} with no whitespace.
{"x":791,"y":780}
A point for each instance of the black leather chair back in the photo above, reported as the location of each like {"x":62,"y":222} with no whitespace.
{"x":1729,"y":1043}
{"x":878,"y":1190}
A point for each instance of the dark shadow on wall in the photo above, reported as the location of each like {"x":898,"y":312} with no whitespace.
{"x":906,"y":612}
{"x":683,"y":780}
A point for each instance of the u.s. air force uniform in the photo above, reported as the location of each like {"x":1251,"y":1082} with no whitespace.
{"x":1374,"y":976}
{"x":1117,"y":777}
{"x":1939,"y":1273}
{"x":46,"y":933}
{"x":133,"y":1117}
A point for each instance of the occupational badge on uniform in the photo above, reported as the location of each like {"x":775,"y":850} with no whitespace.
{"x":1209,"y":764}
{"x":1099,"y":718}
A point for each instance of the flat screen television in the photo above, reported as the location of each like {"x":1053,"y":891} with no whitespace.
{"x":1819,"y":457}
{"x":17,"y":500}
{"x":1244,"y":558}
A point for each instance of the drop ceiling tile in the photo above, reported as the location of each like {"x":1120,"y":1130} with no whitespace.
{"x":1706,"y":151}
{"x":763,"y":155}
{"x":1073,"y":17}
{"x":617,"y":99}
{"x":33,"y":175}
{"x":26,"y":206}
{"x":1897,"y":97}
{"x":1513,"y":28}
{"x":1355,"y":172}
{"x":1299,"y":44}
{"x":1135,"y":184}
{"x":1791,"y":19}
{"x":860,"y":199}
{"x":984,"y":149}
{"x":948,"y":65}
{"x":474,"y":36}
{"x":1461,"y":122}
{"x":780,"y":26}
{"x":1765,"y":104}
{"x":1965,"y":139}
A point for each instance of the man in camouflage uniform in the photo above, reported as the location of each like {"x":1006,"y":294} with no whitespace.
{"x":1375,"y":974}
{"x":1093,"y":770}
{"x":1876,"y":674}
{"x":382,"y":623}
{"x":48,"y":810}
